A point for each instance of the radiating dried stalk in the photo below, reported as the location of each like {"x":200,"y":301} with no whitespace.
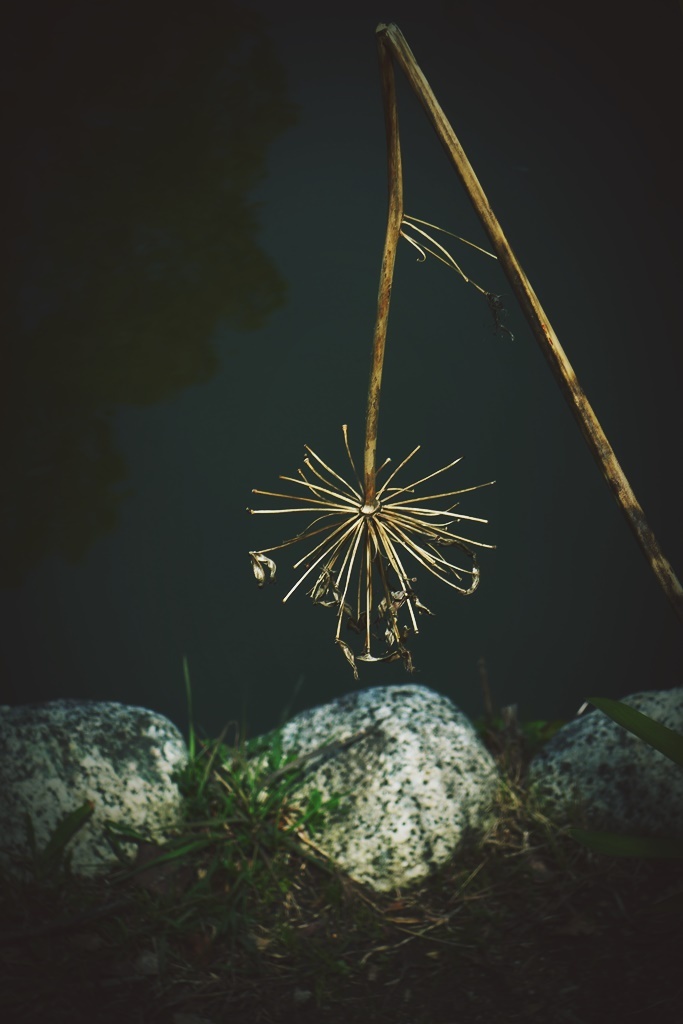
{"x":357,"y":564}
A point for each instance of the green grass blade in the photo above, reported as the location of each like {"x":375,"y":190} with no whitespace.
{"x":191,"y":741}
{"x":174,"y":854}
{"x":216,"y":749}
{"x":616,"y":845}
{"x":659,"y":736}
{"x":124,"y":832}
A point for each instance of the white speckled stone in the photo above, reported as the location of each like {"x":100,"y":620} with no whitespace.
{"x":56,"y":756}
{"x":599,"y":773}
{"x":413,"y":788}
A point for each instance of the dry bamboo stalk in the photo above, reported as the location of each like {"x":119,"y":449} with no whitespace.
{"x":391,"y":38}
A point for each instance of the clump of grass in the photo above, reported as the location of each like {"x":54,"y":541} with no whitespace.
{"x":234,"y":865}
{"x":240,"y":917}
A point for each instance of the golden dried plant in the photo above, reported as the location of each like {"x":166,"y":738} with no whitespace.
{"x":364,"y":532}
{"x":357,"y":562}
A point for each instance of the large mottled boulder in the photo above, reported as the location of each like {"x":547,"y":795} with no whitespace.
{"x":57,"y":756}
{"x":595,"y":772}
{"x":414,"y":779}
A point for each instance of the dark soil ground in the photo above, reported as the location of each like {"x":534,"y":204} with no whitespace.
{"x":533,"y":934}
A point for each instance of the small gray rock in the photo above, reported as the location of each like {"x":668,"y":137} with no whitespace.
{"x":414,"y":785}
{"x":56,"y":756}
{"x":596,"y":772}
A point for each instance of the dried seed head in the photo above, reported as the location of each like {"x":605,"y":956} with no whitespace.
{"x":359,"y":549}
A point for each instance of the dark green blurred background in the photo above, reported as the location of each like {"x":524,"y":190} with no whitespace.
{"x":196,"y":223}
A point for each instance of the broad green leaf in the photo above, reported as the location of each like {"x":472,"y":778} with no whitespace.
{"x":616,"y":845}
{"x":659,"y":736}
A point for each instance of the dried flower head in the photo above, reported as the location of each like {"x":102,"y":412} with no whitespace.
{"x":357,"y":564}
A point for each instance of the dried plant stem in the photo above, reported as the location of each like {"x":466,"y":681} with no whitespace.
{"x":392,"y":40}
{"x":394,"y":219}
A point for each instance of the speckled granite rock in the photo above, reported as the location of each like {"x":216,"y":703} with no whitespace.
{"x":56,"y":756}
{"x":608,"y":778}
{"x":415,"y":785}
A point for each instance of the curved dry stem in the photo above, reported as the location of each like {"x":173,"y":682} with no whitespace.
{"x":394,"y":219}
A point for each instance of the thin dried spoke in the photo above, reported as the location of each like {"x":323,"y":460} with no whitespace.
{"x":447,"y":494}
{"x":330,"y":486}
{"x":392,"y":475}
{"x":368,"y":585}
{"x":333,"y":511}
{"x":334,"y":474}
{"x":360,"y":588}
{"x":345,"y":432}
{"x":341,"y":597}
{"x":352,"y":550}
{"x":304,"y":535}
{"x":378,"y":560}
{"x":457,"y":569}
{"x":417,"y":220}
{"x":393,"y":509}
{"x":393,"y":557}
{"x":387,"y":594}
{"x":450,"y":262}
{"x":328,"y":551}
{"x":419,"y":248}
{"x":430,"y":562}
{"x":334,"y":533}
{"x":403,"y":577}
{"x":433,"y":531}
{"x":310,"y":532}
{"x":411,"y":487}
{"x":317,"y":489}
{"x":311,"y":502}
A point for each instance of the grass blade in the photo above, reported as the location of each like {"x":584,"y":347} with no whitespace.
{"x":616,"y":845}
{"x":191,"y":741}
{"x":667,"y":741}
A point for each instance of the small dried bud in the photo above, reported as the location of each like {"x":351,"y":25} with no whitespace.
{"x":258,"y":562}
{"x":350,"y":657}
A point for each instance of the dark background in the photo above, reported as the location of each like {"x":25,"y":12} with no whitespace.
{"x":196,"y":219}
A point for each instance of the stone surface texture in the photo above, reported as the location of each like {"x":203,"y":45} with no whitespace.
{"x":414,"y":779}
{"x":596,"y":773}
{"x":56,"y":756}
